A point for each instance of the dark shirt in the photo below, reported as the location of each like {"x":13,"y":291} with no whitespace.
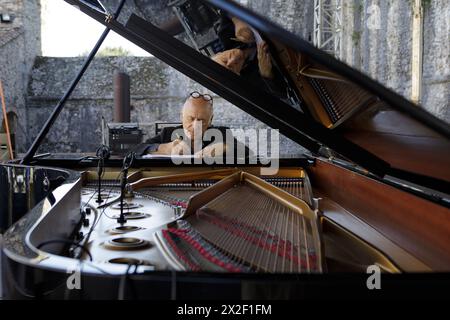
{"x":165,"y":136}
{"x":251,"y":74}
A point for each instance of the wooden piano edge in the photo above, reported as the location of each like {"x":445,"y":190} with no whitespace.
{"x":412,"y":231}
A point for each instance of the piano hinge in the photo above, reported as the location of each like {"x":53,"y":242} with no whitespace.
{"x":109,"y":17}
{"x":316,"y":204}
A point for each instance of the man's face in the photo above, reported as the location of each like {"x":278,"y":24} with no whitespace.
{"x":196,"y":117}
{"x":233,"y":59}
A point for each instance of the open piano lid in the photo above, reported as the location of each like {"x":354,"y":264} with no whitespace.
{"x":337,"y":106}
{"x":96,"y":5}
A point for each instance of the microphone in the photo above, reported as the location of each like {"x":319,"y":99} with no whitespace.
{"x":128,"y":160}
{"x":103,"y":152}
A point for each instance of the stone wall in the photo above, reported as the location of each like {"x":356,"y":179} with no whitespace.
{"x":383,"y":51}
{"x":157,"y":94}
{"x":19,"y":45}
{"x":436,"y":68}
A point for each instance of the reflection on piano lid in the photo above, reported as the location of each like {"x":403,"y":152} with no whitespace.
{"x":96,"y":5}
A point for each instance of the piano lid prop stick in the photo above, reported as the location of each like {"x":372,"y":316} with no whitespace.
{"x":29,"y":156}
{"x":5,"y":119}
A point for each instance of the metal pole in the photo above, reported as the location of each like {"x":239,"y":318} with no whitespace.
{"x":5,"y":118}
{"x":44,"y":131}
{"x":417,"y":52}
{"x":121,"y":97}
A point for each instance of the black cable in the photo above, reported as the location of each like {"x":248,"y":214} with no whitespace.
{"x":123,"y":282}
{"x":45,"y":243}
{"x":128,"y":160}
{"x":87,"y":203}
{"x":90,"y":263}
{"x":127,"y":163}
{"x":103,"y":211}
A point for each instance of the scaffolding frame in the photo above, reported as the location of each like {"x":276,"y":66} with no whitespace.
{"x":328,"y":26}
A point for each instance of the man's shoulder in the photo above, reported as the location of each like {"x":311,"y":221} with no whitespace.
{"x":166,"y":132}
{"x":221,"y":128}
{"x":171,"y":128}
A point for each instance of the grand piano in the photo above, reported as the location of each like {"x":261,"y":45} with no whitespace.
{"x":370,"y":191}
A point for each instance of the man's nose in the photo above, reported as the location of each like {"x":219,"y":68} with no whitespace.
{"x":198,"y":123}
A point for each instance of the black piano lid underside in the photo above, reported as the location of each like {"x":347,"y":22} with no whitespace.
{"x":283,"y":117}
{"x":274,"y":31}
{"x":288,"y":120}
{"x":97,"y":5}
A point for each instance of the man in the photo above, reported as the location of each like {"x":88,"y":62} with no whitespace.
{"x":235,"y":60}
{"x":246,"y":56}
{"x":189,"y":139}
{"x":241,"y":46}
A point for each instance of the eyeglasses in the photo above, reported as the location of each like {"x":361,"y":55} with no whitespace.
{"x":205,"y":97}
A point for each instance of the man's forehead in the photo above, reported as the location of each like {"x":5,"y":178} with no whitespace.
{"x":197,"y":105}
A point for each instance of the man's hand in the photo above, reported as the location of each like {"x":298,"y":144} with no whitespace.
{"x":176,"y":147}
{"x":242,"y":31}
{"x":232,"y":59}
{"x":213,"y":150}
{"x":264,"y":61}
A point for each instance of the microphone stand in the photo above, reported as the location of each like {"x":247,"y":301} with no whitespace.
{"x":127,"y":162}
{"x":99,"y":183}
{"x":102,"y":154}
